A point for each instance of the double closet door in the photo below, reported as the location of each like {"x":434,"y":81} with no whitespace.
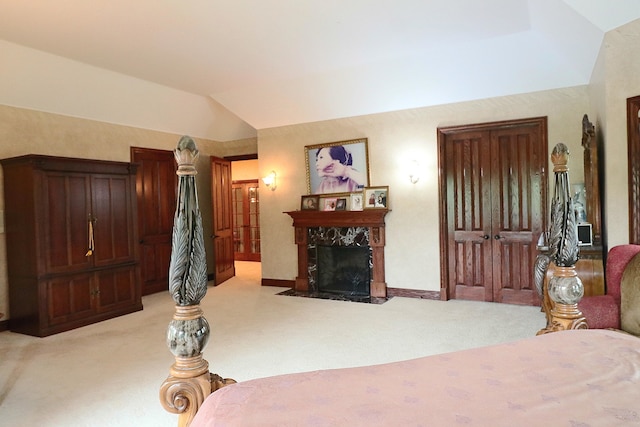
{"x":493,"y":184}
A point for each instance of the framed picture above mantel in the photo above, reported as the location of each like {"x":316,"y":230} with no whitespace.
{"x":337,"y":167}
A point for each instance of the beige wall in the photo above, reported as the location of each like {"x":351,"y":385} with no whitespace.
{"x":619,"y":71}
{"x":412,"y":251}
{"x":25,"y":131}
{"x":244,"y":170}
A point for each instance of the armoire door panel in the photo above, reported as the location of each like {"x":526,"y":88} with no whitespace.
{"x":69,"y":298}
{"x":66,"y":234}
{"x":116,"y":289}
{"x":111,"y":213}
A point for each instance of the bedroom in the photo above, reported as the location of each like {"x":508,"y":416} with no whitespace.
{"x":52,"y":125}
{"x":410,"y":132}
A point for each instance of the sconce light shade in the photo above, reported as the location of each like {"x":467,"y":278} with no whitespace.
{"x":270,"y":181}
{"x":414,"y":171}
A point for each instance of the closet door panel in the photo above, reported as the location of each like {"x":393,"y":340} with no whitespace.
{"x":468,"y":160}
{"x":517,"y":212}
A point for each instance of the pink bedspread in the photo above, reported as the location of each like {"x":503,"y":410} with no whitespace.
{"x":573,"y":378}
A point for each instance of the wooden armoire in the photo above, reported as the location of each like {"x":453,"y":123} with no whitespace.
{"x":72,"y":250}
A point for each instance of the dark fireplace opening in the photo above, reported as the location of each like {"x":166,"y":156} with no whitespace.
{"x":344,"y":270}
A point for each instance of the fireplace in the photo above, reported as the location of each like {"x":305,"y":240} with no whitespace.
{"x":339,"y":260}
{"x":343,"y":270}
{"x":341,"y":252}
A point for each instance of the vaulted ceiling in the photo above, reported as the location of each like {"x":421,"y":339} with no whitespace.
{"x":280,"y":62}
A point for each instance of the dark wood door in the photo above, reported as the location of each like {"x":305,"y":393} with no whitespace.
{"x":493,"y":184}
{"x":222,"y":219}
{"x":246,"y":220}
{"x":156,"y":183}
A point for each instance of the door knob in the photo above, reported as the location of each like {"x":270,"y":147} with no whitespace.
{"x":486,"y":237}
{"x":497,"y":237}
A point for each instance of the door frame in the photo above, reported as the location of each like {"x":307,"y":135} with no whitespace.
{"x":443,"y":133}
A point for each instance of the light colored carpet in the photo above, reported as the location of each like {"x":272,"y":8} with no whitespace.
{"x":109,"y":374}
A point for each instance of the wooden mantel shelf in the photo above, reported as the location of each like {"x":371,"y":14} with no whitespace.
{"x":371,"y":218}
{"x":365,"y":218}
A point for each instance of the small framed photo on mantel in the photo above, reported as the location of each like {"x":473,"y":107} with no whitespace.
{"x":309,"y":203}
{"x":330,"y":203}
{"x":356,"y":201}
{"x":376,"y":197}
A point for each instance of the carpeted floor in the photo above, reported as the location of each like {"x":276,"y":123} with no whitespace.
{"x":109,"y":374}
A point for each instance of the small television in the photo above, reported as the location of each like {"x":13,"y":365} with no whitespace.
{"x":585,"y":234}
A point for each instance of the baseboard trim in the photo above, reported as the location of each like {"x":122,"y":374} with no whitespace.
{"x":391,"y":292}
{"x":413,"y":293}
{"x":281,"y":283}
{"x":4,"y":325}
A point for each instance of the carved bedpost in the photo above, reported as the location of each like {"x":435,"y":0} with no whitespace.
{"x":565,"y":287}
{"x":189,"y":382}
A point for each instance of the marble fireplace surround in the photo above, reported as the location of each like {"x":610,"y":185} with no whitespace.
{"x":371,"y":219}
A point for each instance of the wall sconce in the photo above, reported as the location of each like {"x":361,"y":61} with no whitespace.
{"x":414,"y":171}
{"x":270,"y":181}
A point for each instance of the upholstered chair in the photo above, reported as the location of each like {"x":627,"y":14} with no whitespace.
{"x":604,"y":311}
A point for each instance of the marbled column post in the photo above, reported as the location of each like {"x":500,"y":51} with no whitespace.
{"x":565,"y":287}
{"x":189,"y":382}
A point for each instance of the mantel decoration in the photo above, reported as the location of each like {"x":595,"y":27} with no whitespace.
{"x":565,"y":288}
{"x":376,"y":197}
{"x":337,"y":167}
{"x":189,"y":382}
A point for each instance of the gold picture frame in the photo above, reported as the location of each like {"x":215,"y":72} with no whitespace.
{"x":376,"y":197}
{"x":337,"y":167}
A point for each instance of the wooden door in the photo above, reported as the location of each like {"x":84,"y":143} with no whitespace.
{"x":156,"y":184}
{"x":222,"y":219}
{"x":633,"y":150}
{"x":246,"y":220}
{"x":493,"y":183}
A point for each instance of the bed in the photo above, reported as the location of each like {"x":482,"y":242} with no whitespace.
{"x":569,"y":378}
{"x":567,"y":375}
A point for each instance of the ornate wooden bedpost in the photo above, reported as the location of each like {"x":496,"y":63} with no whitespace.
{"x":189,"y":382}
{"x":565,"y":287}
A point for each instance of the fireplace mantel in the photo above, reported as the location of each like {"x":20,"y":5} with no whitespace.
{"x":371,"y":218}
{"x":365,"y":218}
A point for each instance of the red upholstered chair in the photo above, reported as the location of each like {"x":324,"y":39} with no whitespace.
{"x":603,"y":311}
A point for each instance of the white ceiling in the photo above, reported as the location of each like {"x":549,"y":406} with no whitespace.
{"x":280,"y":62}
